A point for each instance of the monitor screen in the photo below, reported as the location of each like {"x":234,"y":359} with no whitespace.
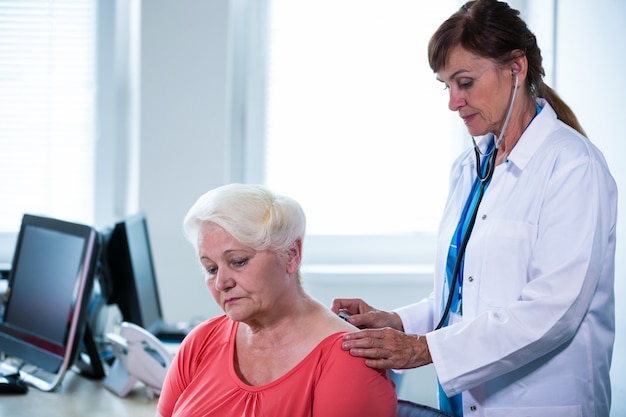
{"x":49,"y":290}
{"x":132,"y":272}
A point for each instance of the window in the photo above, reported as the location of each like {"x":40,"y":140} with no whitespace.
{"x":47,"y":95}
{"x":358,"y":127}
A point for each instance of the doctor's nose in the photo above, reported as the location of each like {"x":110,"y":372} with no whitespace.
{"x":456,"y":100}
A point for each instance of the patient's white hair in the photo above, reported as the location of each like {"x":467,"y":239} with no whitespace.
{"x":252,"y":214}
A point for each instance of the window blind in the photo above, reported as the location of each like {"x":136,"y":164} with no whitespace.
{"x":47,"y":96}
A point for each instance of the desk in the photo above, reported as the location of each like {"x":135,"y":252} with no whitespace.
{"x":79,"y":397}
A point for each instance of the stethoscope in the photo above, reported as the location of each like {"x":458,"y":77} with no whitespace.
{"x":484,"y":176}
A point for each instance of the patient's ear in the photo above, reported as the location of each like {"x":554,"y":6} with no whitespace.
{"x":294,"y":256}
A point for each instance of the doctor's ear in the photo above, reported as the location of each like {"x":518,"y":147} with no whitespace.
{"x":518,"y":73}
{"x":518,"y":63}
{"x":515,"y":69}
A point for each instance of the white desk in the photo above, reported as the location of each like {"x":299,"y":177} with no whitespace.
{"x":78,"y":397}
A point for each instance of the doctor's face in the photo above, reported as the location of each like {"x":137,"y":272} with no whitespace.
{"x":246,"y":283}
{"x":479,"y":91}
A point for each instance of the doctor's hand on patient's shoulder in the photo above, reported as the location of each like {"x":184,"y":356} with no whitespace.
{"x":383,"y":343}
{"x":364,"y":316}
{"x":388,"y":348}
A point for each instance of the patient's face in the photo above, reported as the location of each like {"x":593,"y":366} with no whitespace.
{"x":246,"y":283}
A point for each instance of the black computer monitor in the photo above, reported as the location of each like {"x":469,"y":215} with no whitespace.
{"x":45,"y":308}
{"x":133,"y":277}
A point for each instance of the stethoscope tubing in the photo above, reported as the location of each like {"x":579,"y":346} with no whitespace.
{"x":484,"y":178}
{"x":466,"y":236}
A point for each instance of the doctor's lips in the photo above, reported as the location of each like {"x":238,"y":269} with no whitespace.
{"x":467,"y":118}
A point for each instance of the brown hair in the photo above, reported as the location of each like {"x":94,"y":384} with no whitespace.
{"x":492,"y":29}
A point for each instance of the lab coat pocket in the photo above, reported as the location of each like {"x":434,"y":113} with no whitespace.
{"x":564,"y":411}
{"x":502,"y":261}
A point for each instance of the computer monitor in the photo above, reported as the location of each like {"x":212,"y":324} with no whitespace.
{"x":133,"y":277}
{"x":45,"y":307}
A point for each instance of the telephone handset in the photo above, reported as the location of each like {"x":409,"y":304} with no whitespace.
{"x":139,"y":356}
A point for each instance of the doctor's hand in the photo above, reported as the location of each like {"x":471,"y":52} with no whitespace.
{"x":388,"y":348}
{"x":364,"y":316}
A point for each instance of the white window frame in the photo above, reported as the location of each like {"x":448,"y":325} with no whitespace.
{"x":117,"y":147}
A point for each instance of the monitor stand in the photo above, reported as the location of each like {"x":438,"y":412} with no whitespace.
{"x":88,"y":361}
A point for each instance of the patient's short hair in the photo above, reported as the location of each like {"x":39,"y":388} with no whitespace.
{"x":252,"y":214}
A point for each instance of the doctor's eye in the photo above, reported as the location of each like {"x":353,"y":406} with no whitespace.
{"x":465,"y":83}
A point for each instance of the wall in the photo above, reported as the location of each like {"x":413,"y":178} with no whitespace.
{"x":589,"y":69}
{"x":185,"y":144}
{"x":184,"y":85}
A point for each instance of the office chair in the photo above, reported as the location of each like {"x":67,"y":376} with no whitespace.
{"x":408,"y":408}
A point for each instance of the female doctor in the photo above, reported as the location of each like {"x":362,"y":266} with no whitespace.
{"x":521,"y":319}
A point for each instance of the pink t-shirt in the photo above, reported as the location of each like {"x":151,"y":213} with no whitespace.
{"x":328,"y":382}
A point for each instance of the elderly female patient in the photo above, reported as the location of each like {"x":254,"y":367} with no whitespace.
{"x":276,"y":351}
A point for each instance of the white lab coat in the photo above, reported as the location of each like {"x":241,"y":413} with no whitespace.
{"x":537,"y":332}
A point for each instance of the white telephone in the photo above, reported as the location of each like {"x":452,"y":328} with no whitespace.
{"x":139,"y":356}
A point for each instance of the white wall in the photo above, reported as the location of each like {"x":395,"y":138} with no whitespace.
{"x":184,"y":119}
{"x":589,"y":71}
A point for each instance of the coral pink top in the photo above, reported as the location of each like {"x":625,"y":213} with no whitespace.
{"x":328,"y":382}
